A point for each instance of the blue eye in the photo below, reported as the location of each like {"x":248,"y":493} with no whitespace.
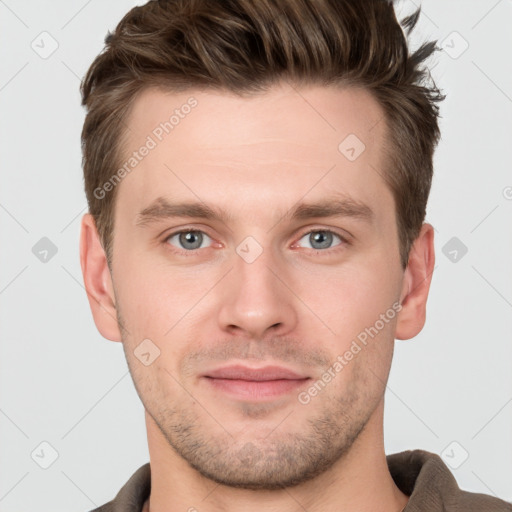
{"x":188,"y":240}
{"x":320,"y":239}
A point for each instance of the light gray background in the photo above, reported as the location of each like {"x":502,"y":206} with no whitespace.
{"x":63,"y":384}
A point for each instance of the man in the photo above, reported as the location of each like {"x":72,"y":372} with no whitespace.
{"x":257,"y":173}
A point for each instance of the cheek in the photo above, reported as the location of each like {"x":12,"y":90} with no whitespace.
{"x":156,"y":297}
{"x":349,"y":298}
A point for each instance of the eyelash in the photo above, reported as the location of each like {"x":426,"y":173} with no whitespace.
{"x":344,"y":241}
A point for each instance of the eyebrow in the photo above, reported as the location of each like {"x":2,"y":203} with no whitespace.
{"x":330,"y":207}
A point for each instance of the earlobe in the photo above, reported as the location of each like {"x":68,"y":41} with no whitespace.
{"x":416,"y":285}
{"x":97,"y":280}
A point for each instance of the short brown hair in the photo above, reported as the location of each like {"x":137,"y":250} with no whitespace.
{"x":245,"y":46}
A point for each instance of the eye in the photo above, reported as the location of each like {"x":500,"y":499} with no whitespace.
{"x":320,"y":239}
{"x":189,"y":239}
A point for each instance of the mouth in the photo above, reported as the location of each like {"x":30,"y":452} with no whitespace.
{"x":255,"y":383}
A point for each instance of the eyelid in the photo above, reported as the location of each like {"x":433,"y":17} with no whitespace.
{"x":172,"y":235}
{"x":184,"y":229}
{"x":345,"y":240}
{"x":187,"y":229}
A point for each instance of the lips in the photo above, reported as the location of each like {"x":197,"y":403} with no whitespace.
{"x":254,"y":384}
{"x":254,"y":374}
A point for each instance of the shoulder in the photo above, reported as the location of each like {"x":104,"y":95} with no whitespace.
{"x":471,"y":501}
{"x":430,"y":485}
{"x":132,"y":495}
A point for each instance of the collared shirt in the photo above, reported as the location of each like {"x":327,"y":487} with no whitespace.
{"x":421,"y":475}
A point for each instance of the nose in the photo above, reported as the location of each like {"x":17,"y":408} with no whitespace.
{"x":256,"y":302}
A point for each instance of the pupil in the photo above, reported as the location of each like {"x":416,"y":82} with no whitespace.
{"x":322,"y":239}
{"x":191,"y":239}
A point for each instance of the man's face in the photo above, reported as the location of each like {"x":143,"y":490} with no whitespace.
{"x":270,"y":284}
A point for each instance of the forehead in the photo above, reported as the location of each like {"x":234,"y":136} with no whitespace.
{"x":286,"y":143}
{"x":327,"y":114}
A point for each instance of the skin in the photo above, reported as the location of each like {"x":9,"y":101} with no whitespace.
{"x":296,"y":305}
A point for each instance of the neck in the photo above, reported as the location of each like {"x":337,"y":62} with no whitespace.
{"x":359,"y":481}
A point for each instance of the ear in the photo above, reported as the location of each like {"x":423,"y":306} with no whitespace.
{"x":416,"y":285}
{"x":97,"y":280}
